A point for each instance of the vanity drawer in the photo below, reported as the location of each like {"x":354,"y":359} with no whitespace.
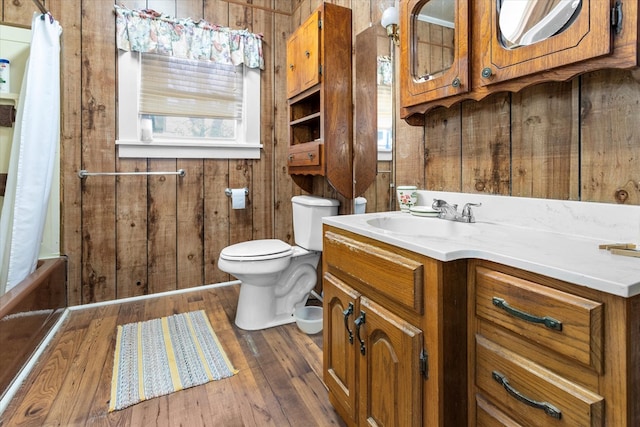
{"x":487,"y":415}
{"x":531,"y":393}
{"x":386,"y":272}
{"x":566,"y":323}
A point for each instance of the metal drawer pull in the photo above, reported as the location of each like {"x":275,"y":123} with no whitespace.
{"x":547,"y":321}
{"x":359,"y":322}
{"x":346,"y":313}
{"x":548,"y":408}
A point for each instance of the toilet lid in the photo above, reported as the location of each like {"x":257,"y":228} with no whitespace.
{"x":256,"y":250}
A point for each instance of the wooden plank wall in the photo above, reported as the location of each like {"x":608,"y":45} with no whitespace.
{"x":136,"y":235}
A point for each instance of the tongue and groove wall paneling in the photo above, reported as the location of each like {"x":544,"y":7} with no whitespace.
{"x":241,"y":171}
{"x":408,"y":149}
{"x":442,"y":149}
{"x":544,"y":142}
{"x":131,"y":219}
{"x":69,"y":13}
{"x":261,"y":193}
{"x":190,"y":196}
{"x":284,"y":187}
{"x":609,"y":112}
{"x":216,"y":179}
{"x":98,"y":151}
{"x":486,"y":145}
{"x":162,"y":237}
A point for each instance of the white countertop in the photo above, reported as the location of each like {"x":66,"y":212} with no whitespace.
{"x":555,"y":238}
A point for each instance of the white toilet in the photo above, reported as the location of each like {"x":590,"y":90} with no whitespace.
{"x":277,"y":277}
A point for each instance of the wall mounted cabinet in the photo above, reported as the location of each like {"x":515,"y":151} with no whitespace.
{"x":303,"y":56}
{"x":319,"y":90}
{"x":507,"y":52}
{"x":434,"y":52}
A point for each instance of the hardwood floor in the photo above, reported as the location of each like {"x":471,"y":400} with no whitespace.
{"x":279,"y":381}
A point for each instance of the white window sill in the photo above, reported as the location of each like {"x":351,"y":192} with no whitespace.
{"x":188,"y":150}
{"x":384,"y":156}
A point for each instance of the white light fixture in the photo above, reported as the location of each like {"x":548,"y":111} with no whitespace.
{"x":390,"y":22}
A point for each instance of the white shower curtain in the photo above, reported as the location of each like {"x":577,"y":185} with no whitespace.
{"x":33,"y":152}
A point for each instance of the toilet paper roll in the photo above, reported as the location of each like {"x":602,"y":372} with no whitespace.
{"x":237,"y":198}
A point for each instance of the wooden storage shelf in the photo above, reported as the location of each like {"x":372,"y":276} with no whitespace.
{"x":304,"y":131}
{"x":305,"y":104}
{"x":319,"y":90}
{"x":315,"y":117}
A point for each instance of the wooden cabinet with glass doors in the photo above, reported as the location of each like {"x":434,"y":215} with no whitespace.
{"x":506,"y":45}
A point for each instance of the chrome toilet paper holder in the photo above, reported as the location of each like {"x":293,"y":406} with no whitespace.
{"x":227,"y":191}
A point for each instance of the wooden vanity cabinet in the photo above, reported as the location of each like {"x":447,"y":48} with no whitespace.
{"x":319,"y":92}
{"x":603,"y":35}
{"x":547,"y":353}
{"x":394,"y":324}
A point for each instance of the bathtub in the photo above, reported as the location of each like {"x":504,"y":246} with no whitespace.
{"x":27,"y":314}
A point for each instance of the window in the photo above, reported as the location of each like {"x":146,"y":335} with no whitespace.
{"x":385,"y":108}
{"x":179,"y":108}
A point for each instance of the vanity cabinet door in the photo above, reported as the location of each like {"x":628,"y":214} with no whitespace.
{"x":390,"y":380}
{"x":434,"y":58}
{"x":341,"y":307}
{"x":506,"y":47}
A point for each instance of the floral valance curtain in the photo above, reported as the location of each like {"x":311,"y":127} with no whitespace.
{"x":150,"y":32}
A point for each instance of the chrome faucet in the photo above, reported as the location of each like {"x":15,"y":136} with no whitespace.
{"x":450,"y":212}
{"x":446,"y":210}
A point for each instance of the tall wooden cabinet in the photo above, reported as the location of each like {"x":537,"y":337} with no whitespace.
{"x":394,"y":327}
{"x":319,"y":89}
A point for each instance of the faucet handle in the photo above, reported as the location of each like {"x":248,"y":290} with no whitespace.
{"x":468,"y":213}
{"x":439,"y":203}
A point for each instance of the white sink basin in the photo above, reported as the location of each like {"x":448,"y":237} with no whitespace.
{"x":422,"y":226}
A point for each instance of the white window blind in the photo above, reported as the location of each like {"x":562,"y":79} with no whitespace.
{"x":173,"y":86}
{"x":385,"y":106}
{"x":171,"y":107}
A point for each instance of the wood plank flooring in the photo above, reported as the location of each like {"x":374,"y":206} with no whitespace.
{"x":279,"y":381}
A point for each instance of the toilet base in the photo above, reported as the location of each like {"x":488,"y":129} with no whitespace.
{"x":252,"y":317}
{"x":262,"y":306}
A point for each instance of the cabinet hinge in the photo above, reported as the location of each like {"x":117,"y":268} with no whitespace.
{"x":616,"y":17}
{"x":319,"y":23}
{"x":424,"y":363}
{"x":320,"y":69}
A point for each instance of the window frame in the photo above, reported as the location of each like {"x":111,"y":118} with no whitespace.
{"x":246,"y":146}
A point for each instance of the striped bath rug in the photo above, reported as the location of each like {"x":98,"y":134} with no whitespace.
{"x":160,"y":356}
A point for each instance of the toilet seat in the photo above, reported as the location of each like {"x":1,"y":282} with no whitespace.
{"x":257,"y":250}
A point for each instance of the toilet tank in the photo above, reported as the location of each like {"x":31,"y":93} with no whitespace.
{"x":308,"y":212}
